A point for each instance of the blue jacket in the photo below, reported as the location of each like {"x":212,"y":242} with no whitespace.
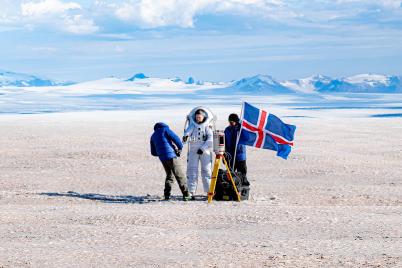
{"x":230,"y":143}
{"x":162,"y":141}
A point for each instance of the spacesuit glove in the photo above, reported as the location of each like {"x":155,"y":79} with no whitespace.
{"x":200,"y":152}
{"x":178,"y":152}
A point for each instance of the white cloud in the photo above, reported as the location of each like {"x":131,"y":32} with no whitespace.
{"x":8,"y":12}
{"x":80,"y":17}
{"x":77,"y":24}
{"x":67,"y":16}
{"x":392,"y":4}
{"x":150,"y":13}
{"x":46,"y":7}
{"x":157,"y":13}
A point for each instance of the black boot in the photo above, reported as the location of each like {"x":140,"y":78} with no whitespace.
{"x":186,"y":196}
{"x":245,"y":181}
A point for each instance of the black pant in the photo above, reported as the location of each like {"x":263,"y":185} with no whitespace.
{"x":173,"y":169}
{"x":241,"y":166}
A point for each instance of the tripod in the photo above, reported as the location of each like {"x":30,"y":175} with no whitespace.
{"x":218,"y":160}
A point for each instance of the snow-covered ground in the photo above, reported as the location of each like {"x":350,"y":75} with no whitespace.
{"x":80,"y":189}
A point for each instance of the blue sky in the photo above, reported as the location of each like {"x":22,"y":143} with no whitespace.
{"x":211,"y":40}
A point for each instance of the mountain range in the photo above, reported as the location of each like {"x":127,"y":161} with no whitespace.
{"x":12,"y":79}
{"x":258,"y":84}
{"x":362,"y":83}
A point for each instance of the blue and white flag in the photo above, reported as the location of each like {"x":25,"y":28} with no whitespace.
{"x":266,"y":131}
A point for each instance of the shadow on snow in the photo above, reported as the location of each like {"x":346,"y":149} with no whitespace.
{"x":123,"y":199}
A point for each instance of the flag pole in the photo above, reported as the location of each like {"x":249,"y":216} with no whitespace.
{"x":238,"y":136}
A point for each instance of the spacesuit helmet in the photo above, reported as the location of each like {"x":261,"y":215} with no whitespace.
{"x":200,"y":116}
{"x":209,"y":118}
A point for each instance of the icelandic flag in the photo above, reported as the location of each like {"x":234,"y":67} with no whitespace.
{"x":262,"y":130}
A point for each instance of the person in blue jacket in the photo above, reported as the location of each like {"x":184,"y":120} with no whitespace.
{"x":231,"y":133}
{"x":167,"y":146}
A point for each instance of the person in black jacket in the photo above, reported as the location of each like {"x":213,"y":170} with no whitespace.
{"x":231,"y":134}
{"x":167,"y":146}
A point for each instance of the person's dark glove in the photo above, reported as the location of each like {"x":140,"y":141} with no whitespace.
{"x":185,"y":138}
{"x":178,"y":153}
{"x":200,"y":152}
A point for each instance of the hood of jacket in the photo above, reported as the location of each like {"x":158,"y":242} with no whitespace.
{"x":160,"y":125}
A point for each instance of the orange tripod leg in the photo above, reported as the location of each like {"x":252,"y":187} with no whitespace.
{"x":215,"y":171}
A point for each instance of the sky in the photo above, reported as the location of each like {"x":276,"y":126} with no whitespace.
{"x":79,"y":40}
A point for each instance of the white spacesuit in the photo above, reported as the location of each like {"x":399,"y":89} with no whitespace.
{"x":200,"y":138}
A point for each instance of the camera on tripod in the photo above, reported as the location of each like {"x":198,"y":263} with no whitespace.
{"x":226,"y":184}
{"x":219,"y":142}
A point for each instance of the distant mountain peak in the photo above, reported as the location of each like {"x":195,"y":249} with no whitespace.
{"x":368,"y":78}
{"x":14,"y":79}
{"x":264,"y":84}
{"x":256,"y":80}
{"x":317,"y":77}
{"x":176,"y":79}
{"x":138,"y":76}
{"x":190,"y":80}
